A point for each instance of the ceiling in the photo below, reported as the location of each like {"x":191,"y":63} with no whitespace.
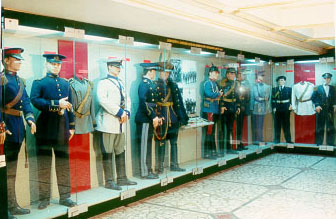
{"x":269,"y":27}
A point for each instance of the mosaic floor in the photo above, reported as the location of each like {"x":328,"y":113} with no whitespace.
{"x":275,"y":187}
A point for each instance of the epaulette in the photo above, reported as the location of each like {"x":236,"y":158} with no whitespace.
{"x":223,"y":82}
{"x":90,"y":82}
{"x":4,"y":80}
{"x":71,"y":80}
{"x":315,"y":88}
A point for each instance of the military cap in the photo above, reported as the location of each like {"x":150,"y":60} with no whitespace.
{"x":150,"y":66}
{"x":213,"y":68}
{"x":165,"y":66}
{"x":281,"y":77}
{"x":231,"y":70}
{"x":114,"y":62}
{"x":54,"y":58}
{"x":327,"y":75}
{"x":14,"y":52}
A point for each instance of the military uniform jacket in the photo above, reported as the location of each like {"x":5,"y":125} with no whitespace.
{"x":82,"y":102}
{"x":165,"y":102}
{"x":148,"y":97}
{"x":10,"y":90}
{"x":113,"y":102}
{"x":261,"y":98}
{"x":320,"y":98}
{"x":178,"y":105}
{"x":244,"y":96}
{"x":281,"y":99}
{"x":301,"y":98}
{"x":230,"y":98}
{"x":51,"y":124}
{"x":211,"y":97}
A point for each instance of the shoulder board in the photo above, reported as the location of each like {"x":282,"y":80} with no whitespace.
{"x":4,"y":80}
{"x":315,"y":88}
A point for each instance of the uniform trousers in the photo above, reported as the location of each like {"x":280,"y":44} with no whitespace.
{"x":44,"y":158}
{"x":325,"y":119}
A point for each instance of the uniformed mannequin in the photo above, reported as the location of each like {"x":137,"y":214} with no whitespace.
{"x":324,"y":98}
{"x":83,"y":106}
{"x":111,"y":120}
{"x":210,"y":111}
{"x":55,"y":127}
{"x":15,"y":107}
{"x":146,"y":119}
{"x":281,"y":105}
{"x":244,"y":91}
{"x":261,"y":96}
{"x":171,"y":108}
{"x":230,"y":108}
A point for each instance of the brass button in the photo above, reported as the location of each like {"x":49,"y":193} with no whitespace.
{"x":59,"y":89}
{"x":60,"y":95}
{"x":57,"y":85}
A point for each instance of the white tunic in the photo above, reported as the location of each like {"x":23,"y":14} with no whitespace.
{"x":304,"y":108}
{"x":109,"y":99}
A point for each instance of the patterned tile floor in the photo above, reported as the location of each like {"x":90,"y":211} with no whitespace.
{"x":275,"y":187}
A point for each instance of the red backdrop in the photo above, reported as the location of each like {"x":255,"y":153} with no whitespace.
{"x":304,"y":125}
{"x":79,"y":147}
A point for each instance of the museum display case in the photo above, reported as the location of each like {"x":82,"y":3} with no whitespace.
{"x":147,"y":113}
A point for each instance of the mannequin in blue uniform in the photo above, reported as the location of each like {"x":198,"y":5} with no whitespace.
{"x":281,"y":105}
{"x":146,"y":118}
{"x":15,"y":104}
{"x":55,"y":127}
{"x":324,"y":99}
{"x":210,"y":111}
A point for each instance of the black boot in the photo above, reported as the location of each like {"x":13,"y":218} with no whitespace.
{"x":151,"y":175}
{"x":230,"y":150}
{"x":67,"y":202}
{"x":108,"y":172}
{"x":121,"y":171}
{"x":177,"y":168}
{"x":43,"y":204}
{"x":161,"y":149}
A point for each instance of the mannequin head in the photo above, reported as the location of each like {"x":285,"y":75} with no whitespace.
{"x":12,"y":64}
{"x":113,"y":67}
{"x":231,"y":74}
{"x":164,"y":75}
{"x":213,"y":73}
{"x":327,"y":78}
{"x":12,"y":60}
{"x":281,"y":80}
{"x":54,"y":63}
{"x":260,"y":76}
{"x":150,"y":74}
{"x":53,"y":67}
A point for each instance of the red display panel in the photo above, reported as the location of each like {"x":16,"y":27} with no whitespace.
{"x":304,"y":125}
{"x":79,"y":146}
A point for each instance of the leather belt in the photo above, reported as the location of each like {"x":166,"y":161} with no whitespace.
{"x":165,"y":104}
{"x":79,"y":115}
{"x":301,"y":101}
{"x":211,"y":100}
{"x":12,"y":112}
{"x":282,"y":101}
{"x":229,"y":100}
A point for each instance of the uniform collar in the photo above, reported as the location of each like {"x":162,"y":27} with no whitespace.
{"x":10,"y":72}
{"x":52,"y":75}
{"x":111,"y":76}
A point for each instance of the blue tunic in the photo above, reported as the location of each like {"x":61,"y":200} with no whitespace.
{"x":15,"y":123}
{"x":45,"y":95}
{"x":211,"y":97}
